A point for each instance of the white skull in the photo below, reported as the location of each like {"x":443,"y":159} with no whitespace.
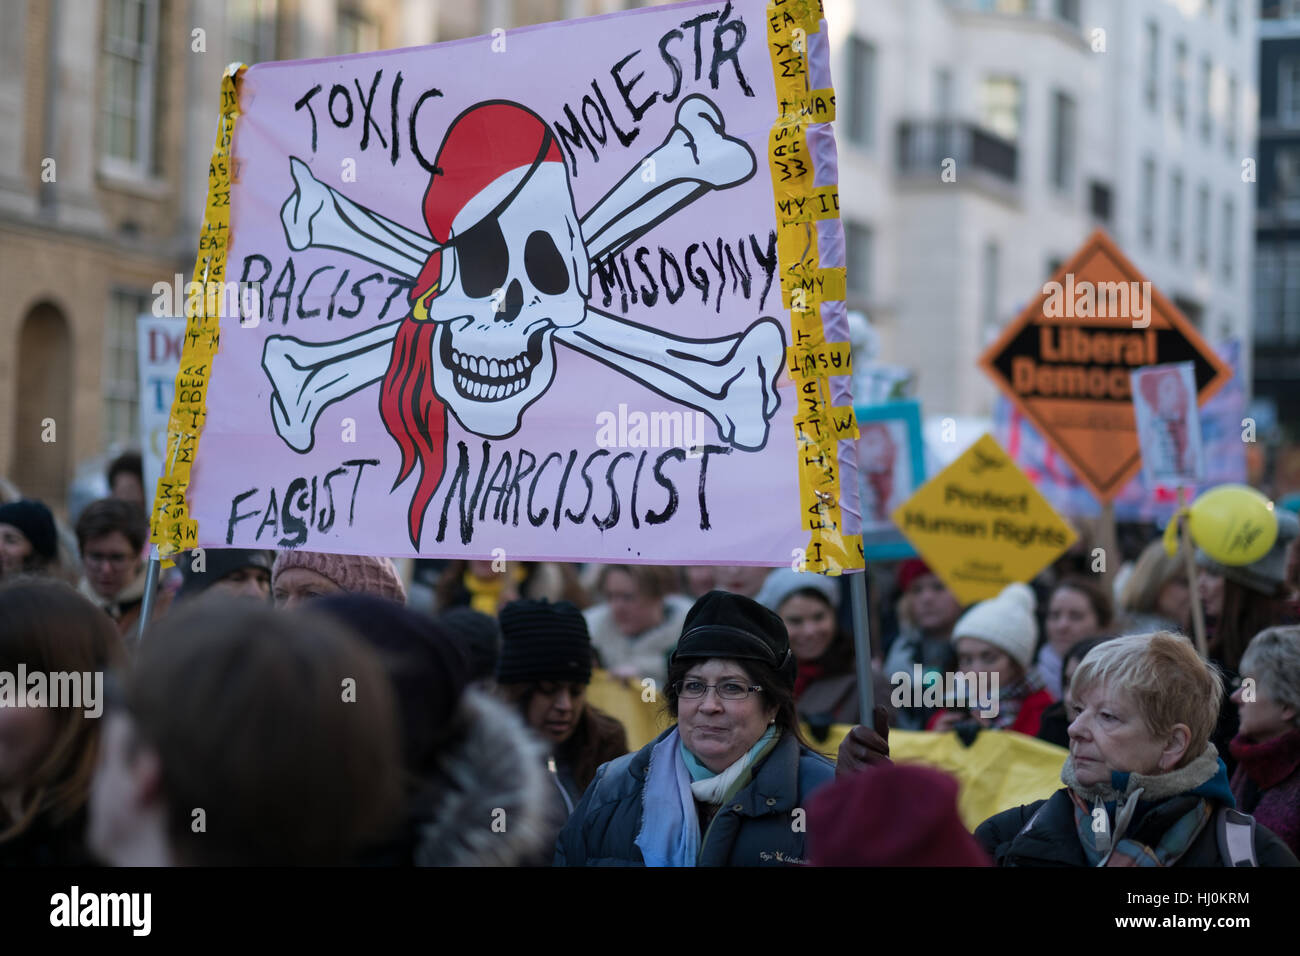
{"x":510,"y":281}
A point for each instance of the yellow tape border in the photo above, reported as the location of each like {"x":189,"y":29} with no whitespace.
{"x":810,"y":359}
{"x":171,"y":527}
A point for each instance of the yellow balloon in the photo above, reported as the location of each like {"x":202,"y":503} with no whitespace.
{"x":1233,"y":524}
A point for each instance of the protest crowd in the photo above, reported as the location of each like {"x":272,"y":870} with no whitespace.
{"x":324,"y":709}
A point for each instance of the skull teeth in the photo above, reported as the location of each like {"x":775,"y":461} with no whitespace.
{"x":484,"y":391}
{"x":492,"y":368}
{"x":485,"y":379}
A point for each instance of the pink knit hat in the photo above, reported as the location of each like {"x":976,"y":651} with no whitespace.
{"x":354,"y":573}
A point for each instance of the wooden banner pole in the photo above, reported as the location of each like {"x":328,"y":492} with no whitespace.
{"x":862,"y":647}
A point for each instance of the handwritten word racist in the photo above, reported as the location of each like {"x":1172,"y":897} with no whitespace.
{"x":375,"y":289}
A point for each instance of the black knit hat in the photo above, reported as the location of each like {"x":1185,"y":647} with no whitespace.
{"x":36,"y":523}
{"x":543,"y":641}
{"x":726,"y":625}
{"x":217,"y":563}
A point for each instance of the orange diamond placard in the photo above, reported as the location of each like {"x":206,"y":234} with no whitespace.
{"x":1065,"y":360}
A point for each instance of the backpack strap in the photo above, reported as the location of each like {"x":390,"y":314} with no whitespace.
{"x":1236,"y":836}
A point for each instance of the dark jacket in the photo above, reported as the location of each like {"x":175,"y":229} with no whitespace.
{"x":830,"y":700}
{"x":1267,"y":783}
{"x":1053,"y":839}
{"x":486,"y":804}
{"x":45,"y":843}
{"x":754,"y":829}
{"x":598,"y":738}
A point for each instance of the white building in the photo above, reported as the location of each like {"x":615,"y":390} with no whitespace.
{"x":1062,"y":115}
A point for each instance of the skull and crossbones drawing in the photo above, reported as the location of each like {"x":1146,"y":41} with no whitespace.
{"x":507,"y":273}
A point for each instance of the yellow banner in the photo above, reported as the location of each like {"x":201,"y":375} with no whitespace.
{"x":171,"y":528}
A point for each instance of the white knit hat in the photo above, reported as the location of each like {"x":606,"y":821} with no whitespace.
{"x":1006,"y":621}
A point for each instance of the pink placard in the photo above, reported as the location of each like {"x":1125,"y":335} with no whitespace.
{"x":517,"y":294}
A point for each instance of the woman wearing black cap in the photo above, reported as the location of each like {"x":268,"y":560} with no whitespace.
{"x":29,"y":543}
{"x":544,"y":670}
{"x":726,"y":785}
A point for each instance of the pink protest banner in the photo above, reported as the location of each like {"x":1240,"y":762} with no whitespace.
{"x":534,"y":293}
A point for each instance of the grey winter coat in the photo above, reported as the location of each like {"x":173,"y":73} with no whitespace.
{"x":757,"y":827}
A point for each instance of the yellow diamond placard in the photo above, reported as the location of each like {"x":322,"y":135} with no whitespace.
{"x":981,"y":524}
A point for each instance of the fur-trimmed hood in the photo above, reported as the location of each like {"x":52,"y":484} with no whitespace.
{"x":493,"y":764}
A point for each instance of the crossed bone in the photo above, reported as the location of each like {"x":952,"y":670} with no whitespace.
{"x":717,"y":376}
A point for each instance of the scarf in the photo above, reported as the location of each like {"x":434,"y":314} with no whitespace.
{"x":1049,"y":669}
{"x":807,"y":674}
{"x":1188,"y":795}
{"x":485,"y":593}
{"x":675,"y":779}
{"x":1268,"y":762}
{"x":116,"y":606}
{"x":1013,"y":695}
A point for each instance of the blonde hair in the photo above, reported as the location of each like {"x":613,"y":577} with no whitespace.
{"x":1154,"y":569}
{"x":1164,"y":677}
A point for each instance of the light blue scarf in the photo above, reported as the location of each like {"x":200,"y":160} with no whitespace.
{"x":670,"y":829}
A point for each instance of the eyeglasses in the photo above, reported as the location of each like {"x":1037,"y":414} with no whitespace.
{"x":116,"y":560}
{"x":727,"y":690}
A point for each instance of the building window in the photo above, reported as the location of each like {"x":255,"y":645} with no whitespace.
{"x":1147,"y":200}
{"x":1207,"y":79}
{"x":1229,"y":239}
{"x":1180,"y":82}
{"x":1203,"y":226}
{"x":1151,"y":57}
{"x":1000,"y":106}
{"x":1002,"y":6}
{"x":1099,"y":200}
{"x":989,"y":300}
{"x":1176,"y":216}
{"x":1067,"y":10}
{"x":862,"y":93}
{"x":355,"y":33}
{"x":1192,"y":310}
{"x":1230,"y":116}
{"x":1232,"y":16}
{"x":1062,"y":147}
{"x":859,"y":241}
{"x":1288,"y":89}
{"x":943,"y":93}
{"x":1286,"y":180}
{"x":130,"y":60}
{"x":121,"y":387}
{"x":251,"y":25}
{"x":1277,"y":293}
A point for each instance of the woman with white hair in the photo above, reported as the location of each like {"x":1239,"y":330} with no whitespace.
{"x":1143,"y":784}
{"x":1266,"y":782}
